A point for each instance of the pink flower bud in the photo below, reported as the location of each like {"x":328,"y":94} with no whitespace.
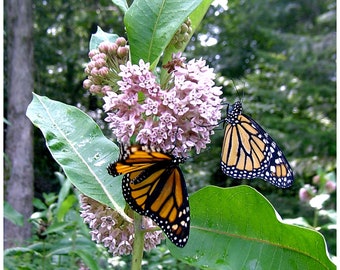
{"x":330,"y":186}
{"x":91,"y":65}
{"x":95,"y":89}
{"x":87,"y":83}
{"x":113,"y":49}
{"x":100,"y":63}
{"x":306,"y":193}
{"x":92,"y":53}
{"x":103,"y":71}
{"x":121,"y":41}
{"x":122,"y":52}
{"x":94,"y":71}
{"x":104,"y":47}
{"x":316,"y":180}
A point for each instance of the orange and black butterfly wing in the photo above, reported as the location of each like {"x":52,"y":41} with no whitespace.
{"x":153,"y":185}
{"x":135,"y":158}
{"x":160,"y":193}
{"x":249,"y":152}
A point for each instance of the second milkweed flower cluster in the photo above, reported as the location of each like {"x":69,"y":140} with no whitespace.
{"x":110,"y":229}
{"x":177,"y":118}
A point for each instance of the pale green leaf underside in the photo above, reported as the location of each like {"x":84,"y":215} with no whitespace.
{"x":79,"y":146}
{"x":101,"y":36}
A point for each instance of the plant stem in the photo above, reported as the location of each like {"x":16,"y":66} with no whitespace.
{"x":138,"y":244}
{"x":315,"y":220}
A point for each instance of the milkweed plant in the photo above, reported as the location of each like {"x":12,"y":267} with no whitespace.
{"x":153,"y":95}
{"x":175,"y":117}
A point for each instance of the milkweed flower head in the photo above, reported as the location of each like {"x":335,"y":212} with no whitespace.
{"x":111,"y":230}
{"x":177,"y":117}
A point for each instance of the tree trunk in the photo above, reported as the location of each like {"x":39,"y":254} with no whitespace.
{"x":19,"y":133}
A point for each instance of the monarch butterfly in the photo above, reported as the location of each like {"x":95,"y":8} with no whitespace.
{"x":153,"y":185}
{"x":249,"y":152}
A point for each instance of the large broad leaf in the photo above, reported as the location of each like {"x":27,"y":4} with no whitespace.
{"x":237,"y":228}
{"x":151,"y":24}
{"x":79,"y":146}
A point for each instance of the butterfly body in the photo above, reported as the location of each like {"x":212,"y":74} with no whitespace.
{"x":153,"y":185}
{"x":249,"y":152}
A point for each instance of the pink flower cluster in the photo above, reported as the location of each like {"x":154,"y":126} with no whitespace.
{"x":177,"y":118}
{"x":110,"y":229}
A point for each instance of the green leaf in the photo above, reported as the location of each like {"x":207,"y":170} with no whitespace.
{"x":65,"y":206}
{"x":88,"y":259}
{"x":13,"y":215}
{"x":37,"y":203}
{"x":151,"y":24}
{"x":17,"y":251}
{"x":237,"y":228}
{"x":65,"y":188}
{"x":78,"y":145}
{"x":67,"y":244}
{"x":195,"y":17}
{"x":101,"y":36}
{"x":56,"y":228}
{"x":49,"y":198}
{"x":121,"y":4}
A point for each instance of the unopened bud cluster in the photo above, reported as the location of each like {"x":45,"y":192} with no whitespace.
{"x":182,"y":35}
{"x":103,"y":68}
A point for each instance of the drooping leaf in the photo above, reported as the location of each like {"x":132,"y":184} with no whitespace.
{"x":151,"y":24}
{"x":79,"y":146}
{"x":237,"y":228}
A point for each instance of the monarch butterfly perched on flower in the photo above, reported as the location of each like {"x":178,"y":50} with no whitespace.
{"x":154,"y":186}
{"x":249,"y":152}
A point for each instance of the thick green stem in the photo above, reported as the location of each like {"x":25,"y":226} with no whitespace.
{"x":138,"y":244}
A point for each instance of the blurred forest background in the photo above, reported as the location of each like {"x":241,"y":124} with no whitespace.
{"x":277,"y":56}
